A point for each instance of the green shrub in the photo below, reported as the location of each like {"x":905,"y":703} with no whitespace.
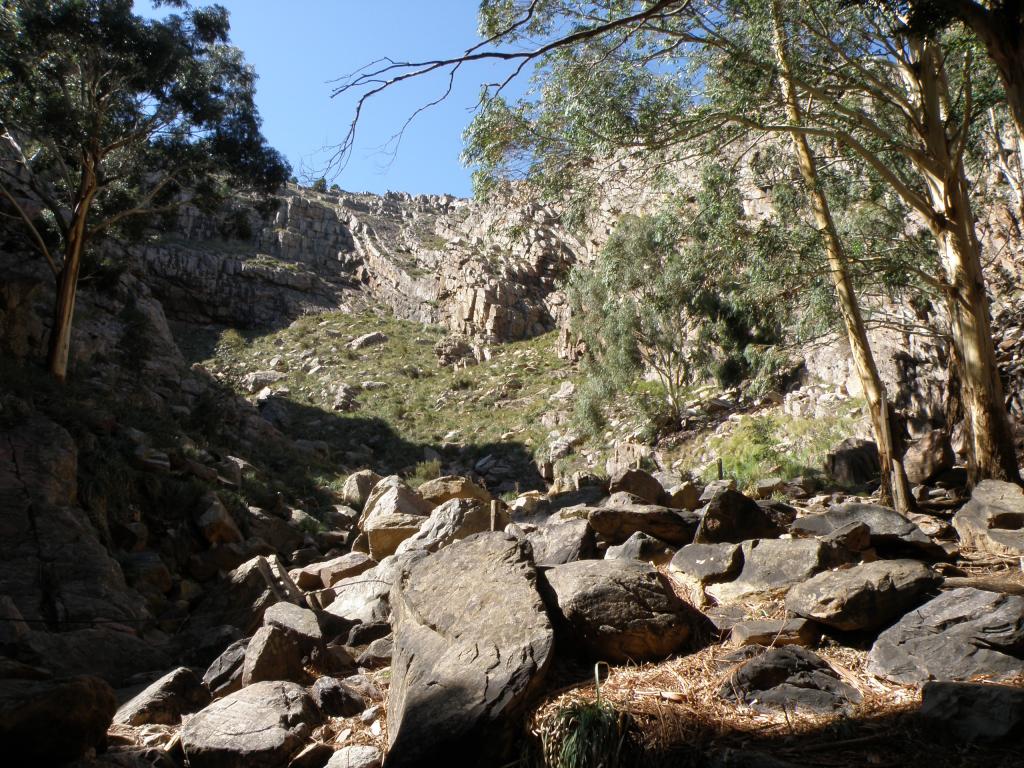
{"x":424,"y":471}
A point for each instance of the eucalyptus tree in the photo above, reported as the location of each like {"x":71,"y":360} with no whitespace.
{"x":108,"y":119}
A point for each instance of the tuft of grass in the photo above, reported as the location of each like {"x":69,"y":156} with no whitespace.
{"x":584,"y":734}
{"x":424,"y":471}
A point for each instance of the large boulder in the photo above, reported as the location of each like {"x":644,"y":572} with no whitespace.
{"x":366,"y":598}
{"x":700,"y":564}
{"x":641,"y":484}
{"x":442,"y":489}
{"x":732,"y":517}
{"x":642,"y":547}
{"x":472,"y":644}
{"x":272,"y":654}
{"x":357,"y":487}
{"x":562,"y":542}
{"x":260,"y":726}
{"x":928,"y":457}
{"x":621,"y":610}
{"x":864,"y":597}
{"x":789,"y":678}
{"x":854,"y":462}
{"x":177,"y":693}
{"x":771,"y":565}
{"x":974,"y":712}
{"x":890,"y":533}
{"x":618,"y":523}
{"x":51,"y":722}
{"x":224,"y":675}
{"x":346,"y":566}
{"x":956,"y":636}
{"x":993,"y":520}
{"x":452,"y":520}
{"x":392,"y":518}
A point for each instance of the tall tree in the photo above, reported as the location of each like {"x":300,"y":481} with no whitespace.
{"x":107,"y":119}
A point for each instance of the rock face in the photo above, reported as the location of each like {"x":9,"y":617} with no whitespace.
{"x":472,"y":644}
{"x":51,"y":722}
{"x":177,"y":693}
{"x":622,"y":610}
{"x":790,"y":678}
{"x":993,"y":520}
{"x":616,"y":524}
{"x":260,"y":726}
{"x":867,"y":596}
{"x":732,"y":517}
{"x":959,"y":634}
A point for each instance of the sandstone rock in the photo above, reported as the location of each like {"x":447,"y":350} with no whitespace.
{"x":974,"y":712}
{"x":352,"y":564}
{"x":272,"y":654}
{"x":177,"y":693}
{"x":641,"y":547}
{"x":774,"y":633}
{"x":637,"y":482}
{"x":391,"y":518}
{"x":336,"y":699}
{"x":791,"y":678}
{"x":562,"y":542}
{"x":224,"y":675}
{"x":358,"y":486}
{"x":957,"y":635}
{"x":472,"y":644}
{"x":732,"y":517}
{"x":772,"y":564}
{"x":864,"y":597}
{"x":891,"y":533}
{"x":928,"y":457}
{"x":442,"y":489}
{"x":853,"y":462}
{"x":356,"y":756}
{"x":993,"y":520}
{"x":622,"y":610}
{"x":51,"y":722}
{"x":715,"y":487}
{"x":454,"y":519}
{"x":616,"y":524}
{"x":260,"y":726}
{"x":270,"y":528}
{"x":684,"y":496}
{"x":708,"y":563}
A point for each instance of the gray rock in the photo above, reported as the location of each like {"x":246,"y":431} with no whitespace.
{"x":616,"y":524}
{"x":639,"y":483}
{"x":299,"y":623}
{"x":51,"y":722}
{"x":272,"y":654}
{"x":774,"y":633}
{"x":974,"y":712}
{"x":708,"y":563}
{"x":993,"y":520}
{"x":179,"y":692}
{"x":562,"y":542}
{"x":928,"y":457}
{"x":454,"y":519}
{"x":622,"y":610}
{"x":336,"y":699}
{"x":355,"y":756}
{"x":442,"y":489}
{"x":732,"y":517}
{"x":683,"y":496}
{"x":357,"y":487}
{"x":865,"y":597}
{"x":959,"y":634}
{"x":352,"y":564}
{"x":368,"y":340}
{"x":392,"y":518}
{"x":642,"y":547}
{"x":365,"y":598}
{"x":772,"y":564}
{"x":260,"y":726}
{"x":853,"y":462}
{"x":472,"y":644}
{"x":891,"y":533}
{"x":377,"y":654}
{"x":790,"y":678}
{"x":224,"y":675}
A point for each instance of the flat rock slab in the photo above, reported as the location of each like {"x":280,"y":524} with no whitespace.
{"x":616,"y":524}
{"x":562,"y":542}
{"x":790,"y":678}
{"x":772,"y":564}
{"x":974,"y":712}
{"x":708,"y":563}
{"x":365,"y":598}
{"x":356,"y":757}
{"x":864,"y":597}
{"x":993,"y":520}
{"x":260,"y":726}
{"x":622,"y":610}
{"x":774,"y":633}
{"x":641,"y":547}
{"x":732,"y":517}
{"x":959,"y":634}
{"x":890,"y":532}
{"x":472,"y":644}
{"x":177,"y":693}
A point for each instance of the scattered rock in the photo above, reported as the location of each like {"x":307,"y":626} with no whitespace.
{"x":355,"y":756}
{"x":928,"y":457}
{"x":336,"y":699}
{"x":300,"y":624}
{"x":772,"y":564}
{"x":622,"y":610}
{"x":216,"y":523}
{"x":707,"y":563}
{"x":891,"y":533}
{"x":993,"y":520}
{"x":865,"y":597}
{"x":642,"y":547}
{"x":774,"y":633}
{"x":358,"y":486}
{"x":177,"y":693}
{"x":346,"y":566}
{"x":365,"y":598}
{"x":391,"y":518}
{"x":790,"y":678}
{"x":684,"y":496}
{"x":272,"y":654}
{"x":562,"y":542}
{"x":472,"y":644}
{"x":442,"y":489}
{"x":959,"y":634}
{"x":768,"y":487}
{"x":260,"y":726}
{"x":377,"y":654}
{"x":638,"y":483}
{"x":616,"y":524}
{"x":224,"y":675}
{"x":974,"y":712}
{"x":853,"y":462}
{"x":367,"y":340}
{"x":454,"y":519}
{"x":732,"y":517}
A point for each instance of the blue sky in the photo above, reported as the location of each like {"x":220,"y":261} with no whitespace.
{"x":297,"y":47}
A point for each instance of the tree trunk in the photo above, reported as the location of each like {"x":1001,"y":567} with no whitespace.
{"x":895,"y":487}
{"x":990,"y":437}
{"x":67,"y":280}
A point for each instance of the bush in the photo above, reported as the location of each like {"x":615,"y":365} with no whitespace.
{"x":424,"y":471}
{"x":320,"y":185}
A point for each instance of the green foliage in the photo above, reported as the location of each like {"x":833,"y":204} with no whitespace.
{"x":424,"y":471}
{"x":320,"y":185}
